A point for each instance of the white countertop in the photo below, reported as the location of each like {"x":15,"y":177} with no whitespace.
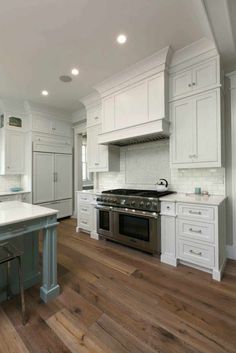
{"x":90,"y":191}
{"x":214,"y":200}
{"x":16,"y":211}
{"x":7,"y":193}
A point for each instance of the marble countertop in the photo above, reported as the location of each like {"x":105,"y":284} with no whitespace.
{"x":7,"y":193}
{"x":15,"y":211}
{"x":214,"y":200}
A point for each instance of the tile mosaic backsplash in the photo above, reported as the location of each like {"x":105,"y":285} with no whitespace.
{"x":141,"y":166}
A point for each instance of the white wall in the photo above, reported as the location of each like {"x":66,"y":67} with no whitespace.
{"x":141,"y":165}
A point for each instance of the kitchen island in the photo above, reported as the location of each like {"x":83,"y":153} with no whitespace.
{"x":20,"y":224}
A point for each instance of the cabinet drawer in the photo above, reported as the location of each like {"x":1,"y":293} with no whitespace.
{"x":168,"y":208}
{"x":84,"y":223}
{"x":196,"y":230}
{"x":85,"y":209}
{"x":198,"y":254}
{"x":85,"y":198}
{"x":195,"y":211}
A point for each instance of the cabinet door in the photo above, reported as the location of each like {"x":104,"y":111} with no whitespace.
{"x":108,"y":114}
{"x":97,"y":154}
{"x":182,"y":131}
{"x":207,"y":127}
{"x":63,"y":176}
{"x":15,"y":152}
{"x":205,"y":74}
{"x":180,"y":83}
{"x":43,"y":177}
{"x":41,"y":124}
{"x":94,"y":116}
{"x":61,"y":128}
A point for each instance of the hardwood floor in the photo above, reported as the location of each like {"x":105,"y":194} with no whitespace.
{"x":118,"y":300}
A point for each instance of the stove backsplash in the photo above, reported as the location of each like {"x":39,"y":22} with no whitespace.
{"x":141,"y":165}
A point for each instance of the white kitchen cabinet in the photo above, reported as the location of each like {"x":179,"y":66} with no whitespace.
{"x":52,"y":181}
{"x":101,"y":158}
{"x":51,"y":126}
{"x":196,"y":131}
{"x":63,"y":178}
{"x":94,"y":116}
{"x":13,"y":151}
{"x":86,"y":213}
{"x":194,"y":234}
{"x":195,"y":78}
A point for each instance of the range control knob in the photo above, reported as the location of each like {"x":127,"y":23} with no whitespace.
{"x":99,"y":199}
{"x":141,"y":204}
{"x":132,"y":203}
{"x":148,"y":204}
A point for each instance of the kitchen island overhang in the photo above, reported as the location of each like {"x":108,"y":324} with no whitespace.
{"x":18,"y":219}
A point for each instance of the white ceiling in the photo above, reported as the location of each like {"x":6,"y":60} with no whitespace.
{"x":43,"y":39}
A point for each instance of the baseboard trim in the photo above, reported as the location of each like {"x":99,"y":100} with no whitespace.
{"x":231,"y":252}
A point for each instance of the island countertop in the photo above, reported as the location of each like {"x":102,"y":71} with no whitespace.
{"x":16,"y":211}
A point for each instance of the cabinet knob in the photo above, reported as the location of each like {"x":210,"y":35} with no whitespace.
{"x":190,"y":85}
{"x":194,"y":83}
{"x":96,"y":163}
{"x":96,"y":118}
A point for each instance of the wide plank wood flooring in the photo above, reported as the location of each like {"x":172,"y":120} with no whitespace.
{"x":118,"y":300}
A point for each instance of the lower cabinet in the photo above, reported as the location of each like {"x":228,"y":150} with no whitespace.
{"x":194,"y":234}
{"x":86,"y":213}
{"x":64,"y":207}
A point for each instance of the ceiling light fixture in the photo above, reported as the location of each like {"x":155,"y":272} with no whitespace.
{"x":121,"y":39}
{"x":44,"y":93}
{"x":75,"y":72}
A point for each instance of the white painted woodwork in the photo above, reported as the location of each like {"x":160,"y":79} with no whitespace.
{"x":168,"y":233}
{"x":64,"y":207}
{"x":52,"y":181}
{"x":51,"y":126}
{"x":13,"y":151}
{"x":86,"y":213}
{"x":199,"y":236}
{"x":94,"y":116}
{"x":43,"y":177}
{"x":101,"y":158}
{"x":196,"y":131}
{"x":194,"y":78}
{"x":63,"y":176}
{"x":54,"y":144}
{"x":135,"y":99}
{"x":182,"y":131}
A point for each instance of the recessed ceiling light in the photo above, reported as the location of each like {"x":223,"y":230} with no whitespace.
{"x":121,"y":39}
{"x":44,"y":93}
{"x":75,"y":72}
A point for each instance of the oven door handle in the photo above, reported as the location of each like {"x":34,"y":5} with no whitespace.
{"x":104,"y":208}
{"x":136,"y":213}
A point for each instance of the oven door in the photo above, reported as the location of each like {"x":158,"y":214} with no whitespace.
{"x":138,"y":229}
{"x":105,"y":221}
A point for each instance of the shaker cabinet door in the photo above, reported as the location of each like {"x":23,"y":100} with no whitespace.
{"x":63,"y":176}
{"x":43,"y":177}
{"x":182,"y":131}
{"x":15,"y":152}
{"x":207,"y":124}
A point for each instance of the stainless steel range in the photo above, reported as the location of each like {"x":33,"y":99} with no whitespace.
{"x":131,"y":217}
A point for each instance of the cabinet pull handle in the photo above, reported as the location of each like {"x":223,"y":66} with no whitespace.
{"x":84,"y":222}
{"x":195,"y":230}
{"x":195,"y":252}
{"x":84,"y":209}
{"x":96,"y":118}
{"x":195,"y":212}
{"x":96,"y":163}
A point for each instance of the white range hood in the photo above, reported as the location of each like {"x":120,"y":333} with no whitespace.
{"x":135,"y":102}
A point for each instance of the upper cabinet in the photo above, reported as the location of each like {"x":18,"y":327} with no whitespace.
{"x":194,"y":79}
{"x":100,"y":158}
{"x":51,"y":126}
{"x":195,"y":108}
{"x":13,"y":151}
{"x":135,"y":102}
{"x":196,"y":131}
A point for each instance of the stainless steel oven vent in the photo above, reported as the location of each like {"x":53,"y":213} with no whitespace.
{"x":141,"y":139}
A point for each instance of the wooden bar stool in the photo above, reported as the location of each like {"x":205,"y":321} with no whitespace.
{"x":8,"y":252}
